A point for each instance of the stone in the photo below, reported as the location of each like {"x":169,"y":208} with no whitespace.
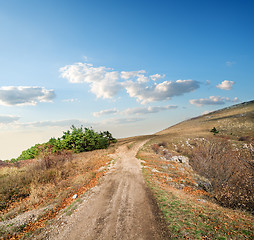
{"x":74,"y":196}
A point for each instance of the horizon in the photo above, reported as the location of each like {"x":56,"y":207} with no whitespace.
{"x":132,"y":68}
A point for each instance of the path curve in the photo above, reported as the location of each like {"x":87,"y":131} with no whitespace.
{"x":122,"y":207}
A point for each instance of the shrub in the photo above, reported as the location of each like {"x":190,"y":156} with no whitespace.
{"x":230,"y":172}
{"x":214,"y":131}
{"x":156,"y":148}
{"x":77,"y":140}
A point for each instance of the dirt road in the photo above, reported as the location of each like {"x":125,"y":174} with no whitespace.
{"x":120,"y":208}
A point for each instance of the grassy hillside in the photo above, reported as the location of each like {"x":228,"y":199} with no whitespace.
{"x":204,"y":181}
{"x":232,"y":122}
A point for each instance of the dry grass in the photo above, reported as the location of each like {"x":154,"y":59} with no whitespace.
{"x":230,"y":172}
{"x":187,"y":207}
{"x":226,"y":159}
{"x":225,"y":167}
{"x":234,"y":122}
{"x":50,"y":181}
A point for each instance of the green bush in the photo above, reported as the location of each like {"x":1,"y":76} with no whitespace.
{"x":214,"y":131}
{"x":77,"y":139}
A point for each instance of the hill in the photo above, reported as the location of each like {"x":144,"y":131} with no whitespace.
{"x":233,"y":122}
{"x":200,"y":164}
{"x":201,"y":183}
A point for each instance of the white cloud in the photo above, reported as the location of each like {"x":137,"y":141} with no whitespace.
{"x":230,"y":63}
{"x":157,"y":76}
{"x":147,"y":110}
{"x":59,"y":123}
{"x":103,"y":81}
{"x":22,"y":95}
{"x":135,"y":111}
{"x":212,"y":100}
{"x":105,"y":112}
{"x":131,"y":74}
{"x":161,"y":91}
{"x":106,"y":83}
{"x":208,"y":82}
{"x":139,"y":75}
{"x":226,"y":85}
{"x":5,"y":119}
{"x":120,"y":121}
{"x":42,"y":124}
{"x":71,"y":100}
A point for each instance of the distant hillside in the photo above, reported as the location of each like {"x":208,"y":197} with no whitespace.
{"x":235,"y":122}
{"x":220,"y":147}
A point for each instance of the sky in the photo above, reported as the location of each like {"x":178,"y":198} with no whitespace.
{"x":129,"y":67}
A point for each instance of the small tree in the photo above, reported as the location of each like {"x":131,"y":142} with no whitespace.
{"x":214,"y":131}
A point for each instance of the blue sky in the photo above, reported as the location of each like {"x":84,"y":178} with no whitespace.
{"x":130,"y":67}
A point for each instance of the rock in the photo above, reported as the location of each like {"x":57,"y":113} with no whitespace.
{"x":74,"y":196}
{"x":181,"y":159}
{"x":179,"y":186}
{"x":205,"y":185}
{"x":155,"y":170}
{"x":164,"y":167}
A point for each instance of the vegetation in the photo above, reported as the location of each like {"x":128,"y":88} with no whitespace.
{"x":214,"y":131}
{"x":186,"y":199}
{"x":219,"y":172}
{"x":48,"y":182}
{"x":206,"y":198}
{"x":77,"y":140}
{"x":54,"y":176}
{"x":188,"y":219}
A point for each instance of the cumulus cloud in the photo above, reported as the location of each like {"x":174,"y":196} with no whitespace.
{"x":212,"y":100}
{"x":226,"y":85}
{"x":161,"y":91}
{"x":5,"y":119}
{"x":23,"y":95}
{"x":157,"y":76}
{"x":106,"y":83}
{"x":131,"y":74}
{"x":147,"y":110}
{"x":105,"y":112}
{"x":138,"y":75}
{"x":103,"y":81}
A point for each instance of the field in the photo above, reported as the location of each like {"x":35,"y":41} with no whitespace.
{"x":35,"y":192}
{"x":202,"y":181}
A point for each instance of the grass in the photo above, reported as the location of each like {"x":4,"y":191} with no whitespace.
{"x":225,"y":159}
{"x":220,"y":173}
{"x":52,"y":184}
{"x":188,"y":219}
{"x":185,"y":197}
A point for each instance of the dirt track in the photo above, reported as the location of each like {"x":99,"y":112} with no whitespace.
{"x":122,"y":207}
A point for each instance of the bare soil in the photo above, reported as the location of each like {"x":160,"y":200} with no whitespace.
{"x":121,"y":207}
